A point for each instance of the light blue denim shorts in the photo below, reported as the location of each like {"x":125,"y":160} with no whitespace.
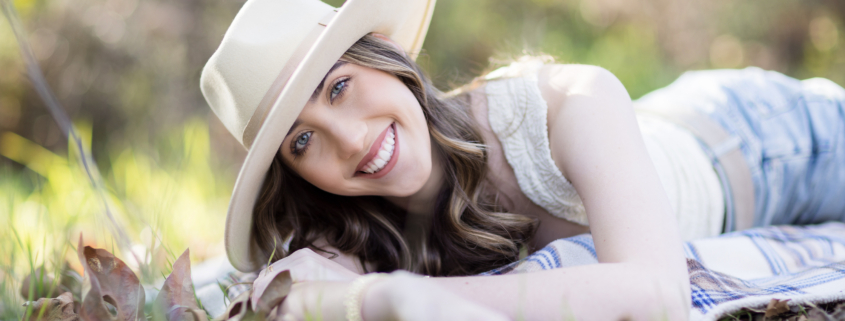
{"x":792,"y":132}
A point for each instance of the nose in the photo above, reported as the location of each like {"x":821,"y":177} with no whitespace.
{"x":350,"y":136}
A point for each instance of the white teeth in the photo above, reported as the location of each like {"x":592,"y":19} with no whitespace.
{"x":380,"y":162}
{"x":384,"y":154}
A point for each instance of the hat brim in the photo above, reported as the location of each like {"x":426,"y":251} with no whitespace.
{"x":404,"y":21}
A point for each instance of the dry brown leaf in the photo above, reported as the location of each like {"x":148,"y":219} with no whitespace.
{"x":45,"y":285}
{"x":819,"y":315}
{"x":267,"y":293}
{"x":186,"y":314}
{"x":838,"y":312}
{"x":757,"y":310}
{"x":776,"y":307}
{"x":71,"y":280}
{"x":61,"y":308}
{"x":109,"y":280}
{"x":239,"y":310}
{"x":273,"y":294}
{"x":176,"y":298}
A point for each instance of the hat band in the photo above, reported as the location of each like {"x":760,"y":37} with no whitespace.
{"x":260,"y":114}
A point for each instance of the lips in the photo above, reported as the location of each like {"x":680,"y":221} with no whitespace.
{"x":382,"y":155}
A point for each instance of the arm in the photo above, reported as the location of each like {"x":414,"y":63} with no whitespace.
{"x":596,"y":143}
{"x":642,"y":273}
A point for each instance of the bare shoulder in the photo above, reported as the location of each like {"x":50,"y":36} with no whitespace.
{"x":559,"y":82}
{"x":582,"y":100}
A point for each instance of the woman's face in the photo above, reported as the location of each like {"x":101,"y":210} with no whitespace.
{"x":362,"y":133}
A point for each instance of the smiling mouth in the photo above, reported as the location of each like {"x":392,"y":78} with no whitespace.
{"x":384,"y":154}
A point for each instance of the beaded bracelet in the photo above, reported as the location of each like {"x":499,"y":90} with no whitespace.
{"x":355,"y":295}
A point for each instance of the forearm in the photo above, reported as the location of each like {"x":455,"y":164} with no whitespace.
{"x":308,"y":300}
{"x":653,"y":289}
{"x":402,"y":296}
{"x":324,"y":300}
{"x":594,"y":292}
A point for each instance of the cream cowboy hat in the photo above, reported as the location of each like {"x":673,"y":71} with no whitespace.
{"x":271,"y":59}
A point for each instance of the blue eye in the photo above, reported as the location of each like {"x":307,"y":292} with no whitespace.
{"x":300,"y":143}
{"x":338,"y":88}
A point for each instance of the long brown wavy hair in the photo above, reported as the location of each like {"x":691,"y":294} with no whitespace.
{"x":467,"y":234}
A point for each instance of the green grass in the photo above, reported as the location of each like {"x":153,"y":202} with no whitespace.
{"x":164,"y":204}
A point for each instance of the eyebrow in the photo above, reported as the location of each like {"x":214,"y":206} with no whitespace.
{"x":316,"y":92}
{"x":322,"y":82}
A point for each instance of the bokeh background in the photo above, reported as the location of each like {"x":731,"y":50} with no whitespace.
{"x":127,"y":73}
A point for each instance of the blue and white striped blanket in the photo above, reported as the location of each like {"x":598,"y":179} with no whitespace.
{"x":727,"y":272}
{"x":741,"y":269}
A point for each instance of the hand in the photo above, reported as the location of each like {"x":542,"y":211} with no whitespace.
{"x":401,"y":296}
{"x":304,"y":265}
{"x":412,"y":298}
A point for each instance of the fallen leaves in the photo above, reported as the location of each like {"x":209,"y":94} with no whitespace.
{"x":263,"y":301}
{"x":239,"y":310}
{"x":176,"y":299}
{"x":61,"y":308}
{"x":109,"y":280}
{"x":269,"y":291}
{"x":781,"y":310}
{"x":41,"y":284}
{"x":110,"y":290}
{"x":776,"y":307}
{"x":269,"y":302}
{"x":836,"y":313}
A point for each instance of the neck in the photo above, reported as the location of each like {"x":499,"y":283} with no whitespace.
{"x":421,"y":205}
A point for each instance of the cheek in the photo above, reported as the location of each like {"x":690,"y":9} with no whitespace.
{"x":412,"y":107}
{"x":324,"y":175}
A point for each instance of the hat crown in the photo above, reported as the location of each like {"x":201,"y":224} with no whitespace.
{"x":255,"y":48}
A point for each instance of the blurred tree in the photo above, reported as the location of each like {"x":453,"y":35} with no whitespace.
{"x":131,"y":67}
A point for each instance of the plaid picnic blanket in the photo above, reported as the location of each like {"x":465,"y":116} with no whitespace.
{"x":740,"y":269}
{"x":728,"y":272}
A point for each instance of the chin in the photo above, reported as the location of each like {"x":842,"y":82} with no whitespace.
{"x":406,"y":190}
{"x":408,"y":185}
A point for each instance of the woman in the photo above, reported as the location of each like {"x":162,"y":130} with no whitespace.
{"x":377,"y":171}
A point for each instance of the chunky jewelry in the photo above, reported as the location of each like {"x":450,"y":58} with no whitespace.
{"x":355,"y":295}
